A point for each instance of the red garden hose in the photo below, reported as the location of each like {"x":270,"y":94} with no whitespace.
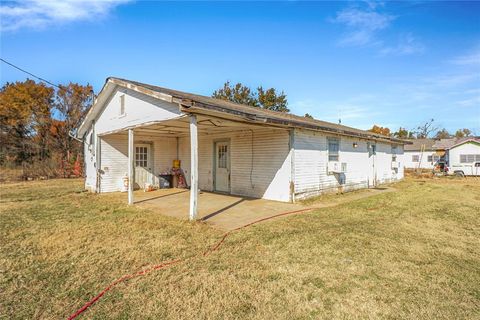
{"x":173,"y":262}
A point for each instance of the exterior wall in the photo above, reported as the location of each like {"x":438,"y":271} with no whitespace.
{"x":425,"y":164}
{"x":454,"y":158}
{"x":268,"y":176}
{"x":383,"y":164}
{"x":311,"y":164}
{"x":114,"y":158}
{"x":113,"y":162}
{"x":139,"y":108}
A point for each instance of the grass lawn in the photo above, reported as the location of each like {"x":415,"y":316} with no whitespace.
{"x":414,"y":253}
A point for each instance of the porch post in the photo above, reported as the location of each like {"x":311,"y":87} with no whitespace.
{"x":194,"y":167}
{"x":131,"y":166}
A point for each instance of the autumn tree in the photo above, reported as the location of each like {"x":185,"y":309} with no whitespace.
{"x":25,"y":114}
{"x":71,"y":104}
{"x":236,"y":93}
{"x":403,"y":133}
{"x":442,"y":134}
{"x":271,"y":100}
{"x":380,"y":130}
{"x":35,"y":121}
{"x":463,"y":133}
{"x":268,"y":99}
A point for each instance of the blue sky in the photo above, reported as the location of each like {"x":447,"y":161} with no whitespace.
{"x":392,"y":64}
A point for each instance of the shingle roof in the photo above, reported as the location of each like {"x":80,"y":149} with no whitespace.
{"x":458,"y":141}
{"x":418,"y":143}
{"x":442,"y":144}
{"x":289,"y":118}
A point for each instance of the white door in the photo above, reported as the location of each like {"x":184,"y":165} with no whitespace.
{"x":372,"y":171}
{"x":143,"y":165}
{"x":222,"y":166}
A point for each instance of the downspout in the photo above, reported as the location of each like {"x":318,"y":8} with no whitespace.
{"x":291,"y":143}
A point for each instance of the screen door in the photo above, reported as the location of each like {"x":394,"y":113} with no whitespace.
{"x":143,"y":165}
{"x":222,"y":166}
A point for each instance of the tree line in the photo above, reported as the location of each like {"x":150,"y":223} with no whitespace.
{"x":427,"y":129}
{"x":35,"y":121}
{"x":271,"y":99}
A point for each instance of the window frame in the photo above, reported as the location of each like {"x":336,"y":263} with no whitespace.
{"x":333,"y":155}
{"x":415,"y":158}
{"x":469,"y":158}
{"x":394,"y":153}
{"x":122,"y":112}
{"x":141,"y":158}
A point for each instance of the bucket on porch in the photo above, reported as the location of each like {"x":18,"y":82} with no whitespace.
{"x":165,"y":181}
{"x":176,"y":164}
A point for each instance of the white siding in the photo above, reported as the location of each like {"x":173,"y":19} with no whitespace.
{"x":383,"y":164}
{"x":454,"y":158}
{"x":114,"y":158}
{"x":268,"y":178}
{"x":423,"y":156}
{"x":311,"y":161}
{"x":113,"y":162}
{"x":139,"y":108}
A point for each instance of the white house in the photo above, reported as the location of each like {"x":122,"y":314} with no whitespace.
{"x":421,"y":154}
{"x":464,"y":156}
{"x":137,"y":130}
{"x":458,"y":154}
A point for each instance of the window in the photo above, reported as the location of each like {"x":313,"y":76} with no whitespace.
{"x":122,"y":105}
{"x":222,"y":156}
{"x":394,"y":153}
{"x":372,"y":149}
{"x":415,"y":158}
{"x":141,"y":157}
{"x":469,"y":158}
{"x":433,"y":158}
{"x":333,"y":148}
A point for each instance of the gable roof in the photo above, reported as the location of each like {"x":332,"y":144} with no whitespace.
{"x":193,"y":103}
{"x":460,"y":141}
{"x":441,"y":144}
{"x":418,"y":143}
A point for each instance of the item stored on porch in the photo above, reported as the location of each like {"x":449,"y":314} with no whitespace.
{"x":165,"y":181}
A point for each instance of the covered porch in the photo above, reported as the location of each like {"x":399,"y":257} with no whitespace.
{"x":222,"y":211}
{"x":220,"y":160}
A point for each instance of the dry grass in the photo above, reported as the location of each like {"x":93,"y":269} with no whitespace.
{"x":412,"y":254}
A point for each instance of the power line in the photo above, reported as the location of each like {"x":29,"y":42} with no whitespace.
{"x":29,"y":73}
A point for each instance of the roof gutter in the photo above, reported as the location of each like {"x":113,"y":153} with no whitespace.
{"x":190,"y":106}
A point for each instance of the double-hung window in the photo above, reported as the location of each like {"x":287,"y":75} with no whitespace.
{"x":415,"y":158}
{"x":394,"y":153}
{"x":333,"y":149}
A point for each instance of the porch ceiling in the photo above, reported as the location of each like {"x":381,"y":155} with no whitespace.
{"x":181,"y":127}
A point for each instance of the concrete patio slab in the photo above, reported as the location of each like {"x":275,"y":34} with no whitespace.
{"x":228,"y":212}
{"x":221,"y":210}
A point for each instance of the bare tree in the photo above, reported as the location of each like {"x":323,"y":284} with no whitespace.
{"x":424,"y":130}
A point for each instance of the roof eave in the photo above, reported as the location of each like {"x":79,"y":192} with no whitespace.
{"x":190,"y":106}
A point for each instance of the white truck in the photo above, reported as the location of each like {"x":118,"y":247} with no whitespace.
{"x":465,"y":169}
